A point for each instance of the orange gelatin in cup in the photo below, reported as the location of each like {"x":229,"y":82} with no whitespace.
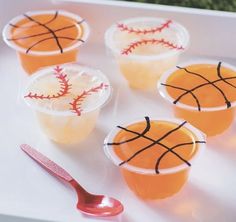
{"x":209,"y":91}
{"x":155,"y":156}
{"x":46,"y":38}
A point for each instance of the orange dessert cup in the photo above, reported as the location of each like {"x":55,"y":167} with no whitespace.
{"x":45,"y":38}
{"x":203,"y":93}
{"x":154,"y":155}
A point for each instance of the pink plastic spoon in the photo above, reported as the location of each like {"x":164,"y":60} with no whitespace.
{"x":90,"y":204}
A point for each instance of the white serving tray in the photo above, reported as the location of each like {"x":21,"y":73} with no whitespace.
{"x":27,"y":191}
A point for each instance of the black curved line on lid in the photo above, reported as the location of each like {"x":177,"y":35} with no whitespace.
{"x":220,"y":76}
{"x":43,"y":33}
{"x":197,"y":87}
{"x":49,"y":29}
{"x":48,"y":22}
{"x":147,"y":128}
{"x":193,"y":95}
{"x":227,"y":102}
{"x":172,"y":148}
{"x":154,"y":143}
{"x":43,"y":40}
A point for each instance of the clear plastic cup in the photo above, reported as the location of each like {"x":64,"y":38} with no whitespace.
{"x":203,"y":92}
{"x":45,"y":38}
{"x":67,"y":100}
{"x":146,"y":47}
{"x":155,"y":155}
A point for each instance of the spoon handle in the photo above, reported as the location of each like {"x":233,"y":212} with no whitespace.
{"x":48,"y":164}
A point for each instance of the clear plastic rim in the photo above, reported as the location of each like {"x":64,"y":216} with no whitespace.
{"x":45,"y":71}
{"x":116,"y":160}
{"x":164,"y":93}
{"x":7,"y":29}
{"x":174,"y":25}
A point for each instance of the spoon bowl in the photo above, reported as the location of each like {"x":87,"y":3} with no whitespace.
{"x":96,"y":205}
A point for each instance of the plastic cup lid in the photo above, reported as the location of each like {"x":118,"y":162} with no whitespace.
{"x":66,"y":90}
{"x":65,"y":37}
{"x":161,"y":85}
{"x":196,"y":139}
{"x":147,"y":38}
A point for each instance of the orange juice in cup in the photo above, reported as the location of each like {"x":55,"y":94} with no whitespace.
{"x":203,"y":93}
{"x":44,"y":38}
{"x":67,"y":100}
{"x":154,"y":155}
{"x":146,"y":47}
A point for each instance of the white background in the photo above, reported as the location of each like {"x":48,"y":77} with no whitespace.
{"x":26,"y":190}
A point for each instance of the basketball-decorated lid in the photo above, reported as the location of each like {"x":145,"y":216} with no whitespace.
{"x":46,"y":32}
{"x":153,"y":146}
{"x":201,"y":85}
